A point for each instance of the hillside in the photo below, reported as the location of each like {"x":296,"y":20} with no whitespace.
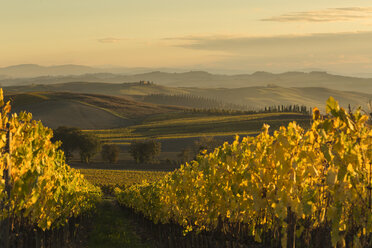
{"x":254,"y":97}
{"x":179,"y":132}
{"x":208,"y":80}
{"x":259,"y":97}
{"x":123,"y":89}
{"x":86,"y":111}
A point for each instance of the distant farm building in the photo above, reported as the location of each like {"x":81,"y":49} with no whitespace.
{"x":142,"y":82}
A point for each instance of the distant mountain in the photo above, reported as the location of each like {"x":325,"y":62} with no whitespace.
{"x":203,"y":79}
{"x":32,"y":70}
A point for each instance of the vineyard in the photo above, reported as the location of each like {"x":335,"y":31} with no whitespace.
{"x":295,"y":187}
{"x":42,"y":199}
{"x":283,"y":188}
{"x":108,"y":180}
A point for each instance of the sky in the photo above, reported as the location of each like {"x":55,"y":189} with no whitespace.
{"x":236,"y":35}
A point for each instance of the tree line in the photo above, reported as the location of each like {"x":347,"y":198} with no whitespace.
{"x":293,"y":108}
{"x":201,"y":104}
{"x":192,"y":101}
{"x":87,"y":145}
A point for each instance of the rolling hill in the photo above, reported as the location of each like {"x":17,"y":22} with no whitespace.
{"x":259,"y":97}
{"x":86,"y":111}
{"x":255,"y":97}
{"x":203,"y":79}
{"x":123,"y":89}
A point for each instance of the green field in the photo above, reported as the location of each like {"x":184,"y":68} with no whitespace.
{"x":176,"y":132}
{"x":200,"y":125}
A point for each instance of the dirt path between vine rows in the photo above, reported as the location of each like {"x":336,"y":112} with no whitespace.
{"x":111,"y":227}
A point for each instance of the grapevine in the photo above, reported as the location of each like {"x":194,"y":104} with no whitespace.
{"x":316,"y":180}
{"x":43,"y":189}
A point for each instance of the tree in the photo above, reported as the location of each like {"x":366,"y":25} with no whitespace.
{"x":74,"y":139}
{"x":110,"y":153}
{"x":145,"y":151}
{"x":69,"y":136}
{"x":89,"y":145}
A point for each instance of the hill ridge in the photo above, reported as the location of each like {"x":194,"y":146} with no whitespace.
{"x":208,"y":80}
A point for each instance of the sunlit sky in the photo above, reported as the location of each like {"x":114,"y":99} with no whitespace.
{"x":271,"y":35}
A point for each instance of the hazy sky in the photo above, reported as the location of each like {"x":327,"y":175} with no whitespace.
{"x":272,"y":35}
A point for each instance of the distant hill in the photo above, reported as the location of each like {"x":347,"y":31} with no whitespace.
{"x":254,"y":97}
{"x":192,"y":101}
{"x":259,"y":97}
{"x":32,"y":70}
{"x":123,"y":89}
{"x":86,"y":111}
{"x":363,"y":75}
{"x":203,"y":79}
